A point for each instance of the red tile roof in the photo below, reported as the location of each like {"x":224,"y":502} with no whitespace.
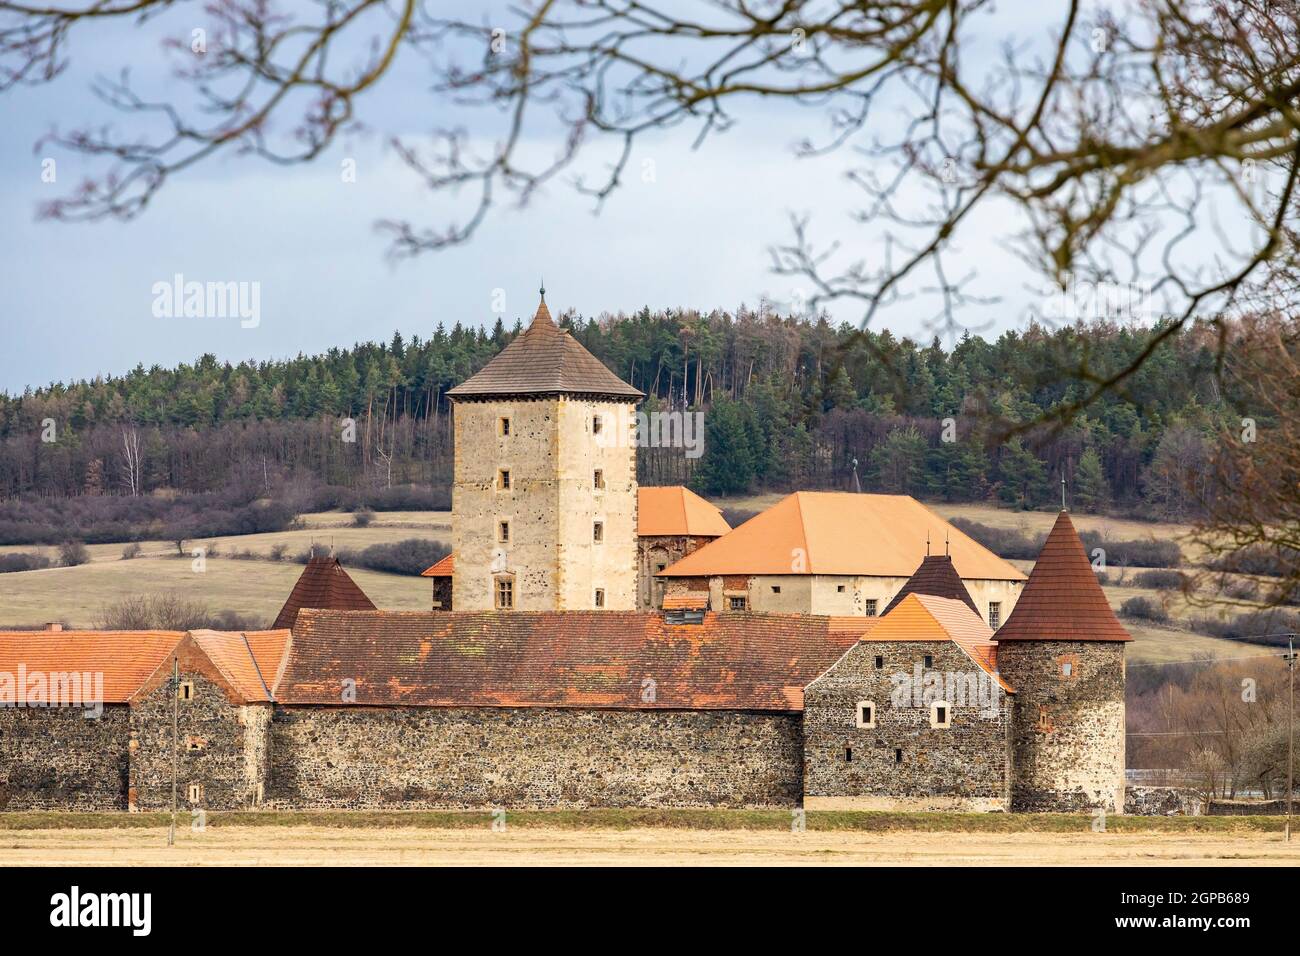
{"x":545,"y":360}
{"x":690,"y":601}
{"x":322,"y":584}
{"x":559,"y":659}
{"x":925,"y":617}
{"x":125,"y":658}
{"x":1062,"y":600}
{"x":937,"y":575}
{"x":441,"y":569}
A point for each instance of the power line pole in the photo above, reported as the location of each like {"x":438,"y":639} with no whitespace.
{"x":176,"y":693}
{"x":1290,"y":735}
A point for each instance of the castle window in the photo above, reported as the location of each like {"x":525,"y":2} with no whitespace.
{"x":866,"y":715}
{"x":929,"y":661}
{"x":195,"y":743}
{"x":194,"y":792}
{"x":898,"y":755}
{"x":185,"y":690}
{"x":503,"y":427}
{"x":598,"y":480}
{"x":880,"y":661}
{"x":940,"y":715}
{"x":848,"y":755}
{"x":776,"y":589}
{"x":839,"y":588}
{"x":871,"y":607}
{"x":995,"y":614}
{"x":505,"y":593}
{"x":503,"y":532}
{"x":598,"y":531}
{"x":1069,"y":666}
{"x":1067,"y":669}
{"x":503,"y":479}
{"x":737,"y":602}
{"x":595,"y":424}
{"x":600,"y":597}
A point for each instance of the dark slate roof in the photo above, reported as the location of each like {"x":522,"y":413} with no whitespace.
{"x":600,"y":659}
{"x":1062,"y":600}
{"x":323,"y":584}
{"x":937,"y":575}
{"x":545,"y":360}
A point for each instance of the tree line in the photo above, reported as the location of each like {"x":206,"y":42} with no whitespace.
{"x":789,"y":402}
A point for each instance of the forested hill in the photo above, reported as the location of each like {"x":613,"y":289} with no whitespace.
{"x":789,"y":403}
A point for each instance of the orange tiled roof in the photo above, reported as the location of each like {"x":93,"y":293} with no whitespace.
{"x":938,"y":576}
{"x":690,"y":601}
{"x":674,"y":510}
{"x":545,"y":360}
{"x":818,"y":532}
{"x":441,"y":569}
{"x":126,"y":658}
{"x":322,"y":584}
{"x":1062,"y":600}
{"x":925,"y":617}
{"x":559,"y":659}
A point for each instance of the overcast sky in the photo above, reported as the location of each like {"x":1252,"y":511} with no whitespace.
{"x":77,"y":298}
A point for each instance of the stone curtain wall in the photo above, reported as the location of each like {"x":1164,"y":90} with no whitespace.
{"x":57,"y":759}
{"x":1068,"y":732}
{"x":520,"y":758}
{"x":220,"y":746}
{"x":964,"y":766}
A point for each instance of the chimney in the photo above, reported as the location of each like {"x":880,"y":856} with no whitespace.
{"x":54,"y":626}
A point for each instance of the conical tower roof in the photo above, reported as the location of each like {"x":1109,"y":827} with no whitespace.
{"x":1062,"y":600}
{"x":937,"y":575}
{"x":323,"y":584}
{"x":545,"y":360}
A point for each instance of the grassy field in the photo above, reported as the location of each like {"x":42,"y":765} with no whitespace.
{"x":260,"y":587}
{"x":666,"y":837}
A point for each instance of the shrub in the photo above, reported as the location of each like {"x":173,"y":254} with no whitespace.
{"x":1257,"y":627}
{"x":1004,"y":542}
{"x":1134,"y":554}
{"x":169,"y":611}
{"x":409,"y":556}
{"x":1143,"y":609}
{"x":278,"y":551}
{"x":22,"y":561}
{"x":1160,"y":580}
{"x":131,"y":551}
{"x":362,"y":519}
{"x":409,"y":498}
{"x":73,"y":553}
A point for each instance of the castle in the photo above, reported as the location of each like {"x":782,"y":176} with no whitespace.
{"x":596,"y":644}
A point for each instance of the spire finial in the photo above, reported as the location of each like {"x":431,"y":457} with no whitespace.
{"x":1063,"y":508}
{"x":542,"y":290}
{"x":927,"y":544}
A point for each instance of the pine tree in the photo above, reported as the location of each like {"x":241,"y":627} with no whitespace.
{"x":1024,"y":478}
{"x":1090,"y":487}
{"x":727,"y":467}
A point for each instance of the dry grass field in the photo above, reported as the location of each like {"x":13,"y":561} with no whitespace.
{"x":318,"y":846}
{"x":260,"y":587}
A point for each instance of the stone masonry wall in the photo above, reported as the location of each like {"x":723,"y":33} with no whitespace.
{"x":904,"y":762}
{"x":502,"y":757}
{"x":552,"y":504}
{"x":654,"y":552}
{"x":55,"y":758}
{"x":221,"y":747}
{"x":1068,"y":731}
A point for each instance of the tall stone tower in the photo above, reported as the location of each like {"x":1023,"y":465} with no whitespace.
{"x":544,"y":497}
{"x":1062,"y":649}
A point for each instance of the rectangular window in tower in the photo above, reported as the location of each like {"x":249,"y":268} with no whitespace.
{"x":839,"y":588}
{"x":940,"y":715}
{"x":598,"y":480}
{"x":871,"y":607}
{"x":866,"y":715}
{"x":503,"y":532}
{"x":929,"y":661}
{"x":776,"y":589}
{"x":600,"y":597}
{"x":505,"y":593}
{"x":737,"y":602}
{"x":995,"y":614}
{"x":596,"y":424}
{"x":503,"y":479}
{"x":848,"y":755}
{"x":880,"y":661}
{"x":185,"y":690}
{"x":898,"y":755}
{"x":598,"y":531}
{"x":503,"y":427}
{"x":194,"y":792}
